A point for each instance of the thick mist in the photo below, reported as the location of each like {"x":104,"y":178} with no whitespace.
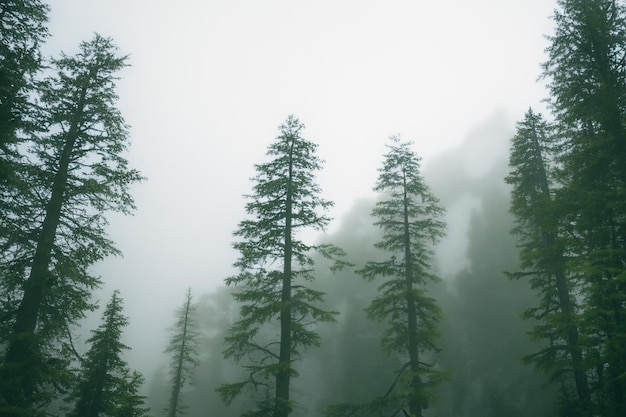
{"x":483,"y":337}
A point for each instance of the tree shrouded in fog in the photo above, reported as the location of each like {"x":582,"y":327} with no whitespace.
{"x":542,"y":246}
{"x":275,"y":267}
{"x":183,"y":348}
{"x":76,"y":173}
{"x":106,"y":386}
{"x":409,"y":216}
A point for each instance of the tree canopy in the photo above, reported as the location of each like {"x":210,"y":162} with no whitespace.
{"x":76,"y":172}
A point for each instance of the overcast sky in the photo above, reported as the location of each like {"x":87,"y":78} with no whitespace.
{"x":211,"y":81}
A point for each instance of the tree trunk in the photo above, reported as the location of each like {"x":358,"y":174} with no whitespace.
{"x":415,"y":405}
{"x":282,"y":408}
{"x":565,"y":304}
{"x":19,"y":370}
{"x":178,"y":379}
{"x":573,"y":344}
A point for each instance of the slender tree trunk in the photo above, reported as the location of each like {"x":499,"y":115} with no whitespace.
{"x":18,"y":372}
{"x":178,"y":379}
{"x":415,"y":405}
{"x":573,"y":344}
{"x":282,"y":408}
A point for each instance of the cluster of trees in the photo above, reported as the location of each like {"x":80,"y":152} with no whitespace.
{"x":568,"y":178}
{"x":483,"y":336}
{"x":62,"y":168}
{"x":276,"y":267}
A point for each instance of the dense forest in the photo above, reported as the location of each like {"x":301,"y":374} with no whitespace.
{"x":357,"y":322}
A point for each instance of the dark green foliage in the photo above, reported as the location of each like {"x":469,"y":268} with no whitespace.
{"x":22,"y":31}
{"x":587,"y":82}
{"x":183,"y":348}
{"x":106,"y":386}
{"x":275,"y":267}
{"x":130,"y":402}
{"x":542,"y":243}
{"x":532,"y":180}
{"x":409,"y":216}
{"x":55,"y":229}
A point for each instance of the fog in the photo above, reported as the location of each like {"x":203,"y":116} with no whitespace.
{"x":483,"y":337}
{"x":209,"y":84}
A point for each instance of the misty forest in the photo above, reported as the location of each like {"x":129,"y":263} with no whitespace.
{"x":360,"y":321}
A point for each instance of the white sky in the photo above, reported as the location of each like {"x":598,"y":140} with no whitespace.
{"x":211,"y":81}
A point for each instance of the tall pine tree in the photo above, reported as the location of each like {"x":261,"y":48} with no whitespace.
{"x":543,"y":240}
{"x":409,"y":216}
{"x":587,"y":82}
{"x":275,"y":266}
{"x":22,"y":31}
{"x":76,"y":173}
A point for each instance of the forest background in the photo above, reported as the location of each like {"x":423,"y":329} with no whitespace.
{"x":475,"y":295}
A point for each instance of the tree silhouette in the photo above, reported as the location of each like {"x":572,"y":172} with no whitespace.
{"x":409,"y":216}
{"x":183,"y":348}
{"x":275,"y":266}
{"x":106,"y":386}
{"x":76,"y":172}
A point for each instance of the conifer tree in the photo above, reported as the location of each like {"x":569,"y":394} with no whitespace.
{"x":542,"y":246}
{"x":587,"y":82}
{"x":22,"y":31}
{"x":275,"y":266}
{"x":183,"y":348}
{"x":107,"y":387}
{"x":76,"y":172}
{"x":409,"y":216}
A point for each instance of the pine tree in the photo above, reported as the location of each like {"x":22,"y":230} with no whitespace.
{"x":76,"y":172}
{"x":274,"y":268}
{"x":587,"y":82}
{"x":409,"y":216}
{"x":542,"y":247}
{"x":106,"y":386}
{"x":183,"y":348}
{"x":22,"y":31}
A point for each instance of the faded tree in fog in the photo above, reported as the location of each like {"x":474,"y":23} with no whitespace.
{"x":106,"y":386}
{"x":275,"y":268}
{"x":483,"y":333}
{"x":183,"y":348}
{"x":542,"y":234}
{"x":410,"y":218}
{"x":76,"y":172}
